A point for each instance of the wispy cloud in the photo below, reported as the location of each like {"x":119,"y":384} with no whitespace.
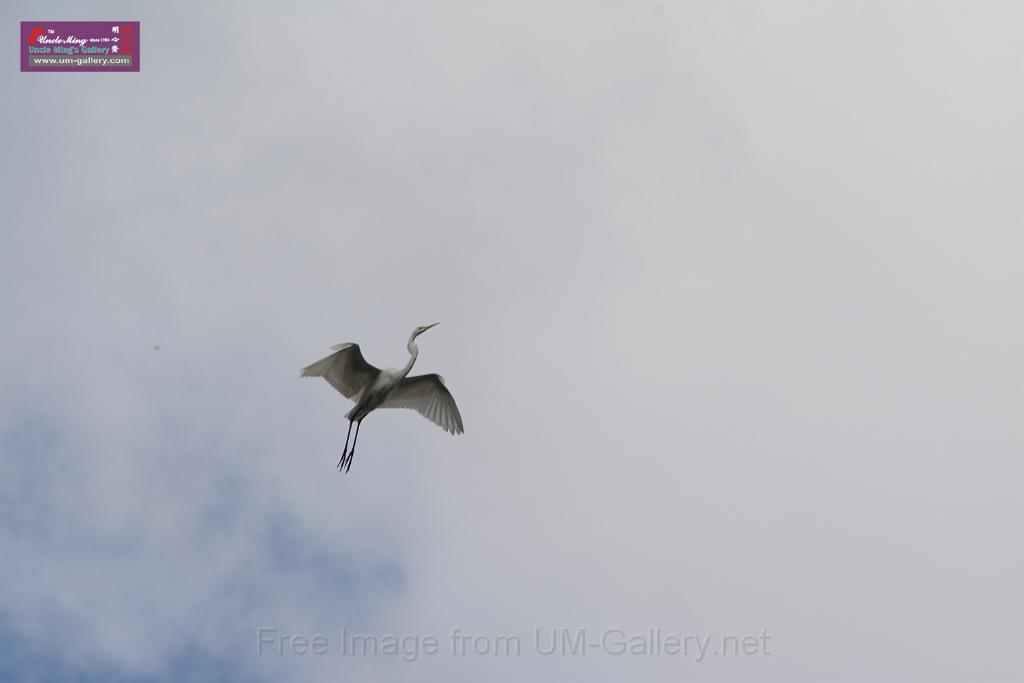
{"x":729,"y":304}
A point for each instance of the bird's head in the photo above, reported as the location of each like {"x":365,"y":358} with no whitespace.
{"x":421,"y":329}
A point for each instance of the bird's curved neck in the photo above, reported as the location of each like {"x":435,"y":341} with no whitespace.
{"x":413,"y":353}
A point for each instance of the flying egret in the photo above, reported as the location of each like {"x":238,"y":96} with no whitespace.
{"x":347,"y":371}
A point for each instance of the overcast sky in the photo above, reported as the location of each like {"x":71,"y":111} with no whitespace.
{"x":730,"y":300}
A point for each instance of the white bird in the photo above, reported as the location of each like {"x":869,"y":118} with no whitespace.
{"x":347,"y":371}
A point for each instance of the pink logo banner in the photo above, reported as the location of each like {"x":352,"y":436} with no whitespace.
{"x":79,"y":46}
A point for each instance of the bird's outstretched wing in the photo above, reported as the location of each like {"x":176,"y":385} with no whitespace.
{"x":346,"y":370}
{"x":428,"y":396}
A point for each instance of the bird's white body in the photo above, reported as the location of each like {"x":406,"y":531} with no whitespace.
{"x":371,"y":398}
{"x":371,"y":388}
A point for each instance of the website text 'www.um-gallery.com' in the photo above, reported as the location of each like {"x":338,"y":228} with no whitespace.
{"x":119,"y":60}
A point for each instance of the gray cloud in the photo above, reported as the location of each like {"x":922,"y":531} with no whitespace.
{"x":728,"y":297}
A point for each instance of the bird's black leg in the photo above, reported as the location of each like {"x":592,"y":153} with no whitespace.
{"x":353,"y":451}
{"x":345,"y":451}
